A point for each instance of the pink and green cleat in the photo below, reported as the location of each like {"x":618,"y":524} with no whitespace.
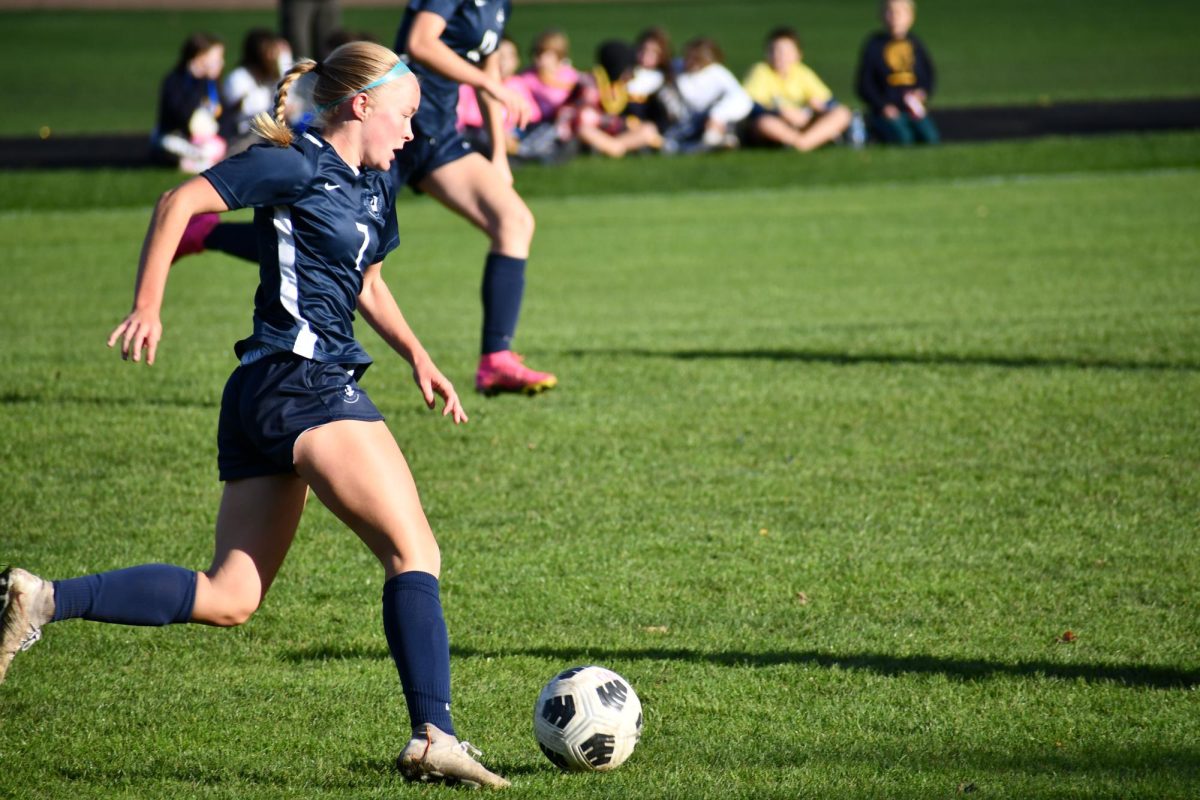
{"x":505,"y":372}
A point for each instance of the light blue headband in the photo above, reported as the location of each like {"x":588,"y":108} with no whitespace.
{"x":397,"y":71}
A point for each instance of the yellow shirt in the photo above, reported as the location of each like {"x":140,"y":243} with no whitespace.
{"x":798,"y":89}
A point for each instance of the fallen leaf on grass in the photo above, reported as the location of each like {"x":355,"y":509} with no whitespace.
{"x":655,"y":629}
{"x":966,"y":787}
{"x":1067,"y":638}
{"x":802,"y":598}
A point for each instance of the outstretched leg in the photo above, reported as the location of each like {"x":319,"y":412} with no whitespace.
{"x":255,"y":526}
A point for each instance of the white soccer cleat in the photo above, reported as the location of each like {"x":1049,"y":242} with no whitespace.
{"x":443,"y":758}
{"x":26,"y":604}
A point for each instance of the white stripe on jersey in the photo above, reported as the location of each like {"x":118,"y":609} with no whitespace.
{"x":289,"y":288}
{"x":313,"y":139}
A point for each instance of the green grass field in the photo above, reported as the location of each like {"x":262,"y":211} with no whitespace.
{"x":77,"y":71}
{"x":834,"y":464}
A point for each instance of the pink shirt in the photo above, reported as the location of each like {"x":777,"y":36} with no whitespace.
{"x":469,"y":115}
{"x":550,"y":95}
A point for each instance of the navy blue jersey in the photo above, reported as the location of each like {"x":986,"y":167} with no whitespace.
{"x":319,"y":223}
{"x":473,"y":30}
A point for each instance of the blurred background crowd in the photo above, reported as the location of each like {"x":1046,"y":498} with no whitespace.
{"x":647,"y":95}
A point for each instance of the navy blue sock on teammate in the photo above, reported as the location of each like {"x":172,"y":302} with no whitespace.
{"x":503,"y":288}
{"x":416,"y":635}
{"x":152,"y":594}
{"x":238,"y":239}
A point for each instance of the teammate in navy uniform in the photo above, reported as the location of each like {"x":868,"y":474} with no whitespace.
{"x":448,"y":42}
{"x":293,"y":415}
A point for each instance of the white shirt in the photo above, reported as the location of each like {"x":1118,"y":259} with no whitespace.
{"x":644,"y":82}
{"x":715,"y":91}
{"x":255,"y":97}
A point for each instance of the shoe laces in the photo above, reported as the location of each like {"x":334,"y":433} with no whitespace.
{"x":29,"y":639}
{"x":470,"y":750}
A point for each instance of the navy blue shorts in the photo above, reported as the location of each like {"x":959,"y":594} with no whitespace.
{"x":268,"y":404}
{"x":424,"y":154}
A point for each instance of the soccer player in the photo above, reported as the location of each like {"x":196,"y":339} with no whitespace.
{"x":447,"y":43}
{"x":293,"y":415}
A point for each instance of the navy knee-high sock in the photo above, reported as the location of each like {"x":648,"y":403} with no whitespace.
{"x":503,"y":288}
{"x":152,"y":594}
{"x":238,"y":239}
{"x":416,"y":635}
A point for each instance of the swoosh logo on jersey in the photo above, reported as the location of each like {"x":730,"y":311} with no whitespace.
{"x":329,"y":187}
{"x":480,"y":3}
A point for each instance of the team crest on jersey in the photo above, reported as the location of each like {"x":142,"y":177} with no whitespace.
{"x":373,"y":205}
{"x":350,"y":395}
{"x":500,"y":17}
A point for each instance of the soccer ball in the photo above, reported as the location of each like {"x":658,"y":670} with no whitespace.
{"x":587,"y":719}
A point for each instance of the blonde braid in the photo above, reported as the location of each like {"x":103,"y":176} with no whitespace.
{"x":276,"y":129}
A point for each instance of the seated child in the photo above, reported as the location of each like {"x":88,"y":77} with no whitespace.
{"x":715,"y":104}
{"x":250,"y":89}
{"x":596,"y":113}
{"x":652,"y":93}
{"x":896,"y":79}
{"x":551,"y":79}
{"x":803,"y":113}
{"x":189,"y":105}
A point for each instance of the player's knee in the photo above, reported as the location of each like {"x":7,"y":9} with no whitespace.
{"x":514,"y":228}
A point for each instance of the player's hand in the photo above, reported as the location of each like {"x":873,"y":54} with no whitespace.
{"x":516,"y":108}
{"x":141,"y":330}
{"x":434,"y":384}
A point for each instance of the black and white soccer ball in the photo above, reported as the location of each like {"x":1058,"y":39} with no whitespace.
{"x":587,"y":719}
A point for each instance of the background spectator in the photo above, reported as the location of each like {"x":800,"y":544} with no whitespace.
{"x":804,"y":114}
{"x":551,"y":78}
{"x":189,"y":105}
{"x":595,"y":115}
{"x":307,"y":25}
{"x":896,"y":78}
{"x":249,"y":89}
{"x":652,"y":93}
{"x":713,"y":98}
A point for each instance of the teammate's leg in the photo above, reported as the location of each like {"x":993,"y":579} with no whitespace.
{"x":359,"y":473}
{"x":471,"y":187}
{"x":207,"y":232}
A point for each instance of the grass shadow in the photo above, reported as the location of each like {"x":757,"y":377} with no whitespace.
{"x":1151,"y":676}
{"x":935,"y":359}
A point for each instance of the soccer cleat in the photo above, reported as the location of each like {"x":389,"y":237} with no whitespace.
{"x":442,"y":758}
{"x":197,"y":230}
{"x":505,"y":372}
{"x":26,"y":604}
